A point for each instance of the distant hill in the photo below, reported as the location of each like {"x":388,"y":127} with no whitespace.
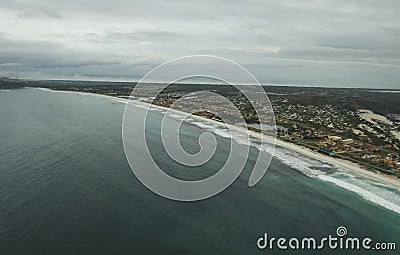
{"x":9,"y":83}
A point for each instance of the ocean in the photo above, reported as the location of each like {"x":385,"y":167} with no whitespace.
{"x":66,"y":188}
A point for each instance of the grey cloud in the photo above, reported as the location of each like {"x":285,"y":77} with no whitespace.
{"x":30,"y":9}
{"x":344,"y":42}
{"x":34,"y":55}
{"x":139,"y":36}
{"x":343,"y":54}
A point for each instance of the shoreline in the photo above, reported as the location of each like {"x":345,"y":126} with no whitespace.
{"x":347,"y":165}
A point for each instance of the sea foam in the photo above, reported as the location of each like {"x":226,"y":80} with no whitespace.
{"x":370,"y":190}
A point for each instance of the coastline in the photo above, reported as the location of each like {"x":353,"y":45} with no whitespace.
{"x":347,"y":165}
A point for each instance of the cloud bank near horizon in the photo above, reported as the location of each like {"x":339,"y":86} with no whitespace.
{"x":318,"y":43}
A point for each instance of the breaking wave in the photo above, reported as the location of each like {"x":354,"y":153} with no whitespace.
{"x":370,"y":190}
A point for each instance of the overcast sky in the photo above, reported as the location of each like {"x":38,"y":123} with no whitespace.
{"x":345,"y":43}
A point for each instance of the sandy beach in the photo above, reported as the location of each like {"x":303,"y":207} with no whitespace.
{"x":352,"y":167}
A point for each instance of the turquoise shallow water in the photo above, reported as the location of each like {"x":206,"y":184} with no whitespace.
{"x":66,"y":188}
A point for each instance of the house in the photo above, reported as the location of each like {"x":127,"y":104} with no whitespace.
{"x":334,"y":138}
{"x":348,"y":141}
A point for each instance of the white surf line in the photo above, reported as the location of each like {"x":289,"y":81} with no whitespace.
{"x":367,"y":195}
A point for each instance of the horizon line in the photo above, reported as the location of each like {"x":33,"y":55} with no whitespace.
{"x":205,"y":83}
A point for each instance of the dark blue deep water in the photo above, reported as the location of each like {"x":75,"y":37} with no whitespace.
{"x":66,"y":188}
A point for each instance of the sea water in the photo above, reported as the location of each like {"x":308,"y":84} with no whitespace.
{"x":66,"y":188}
